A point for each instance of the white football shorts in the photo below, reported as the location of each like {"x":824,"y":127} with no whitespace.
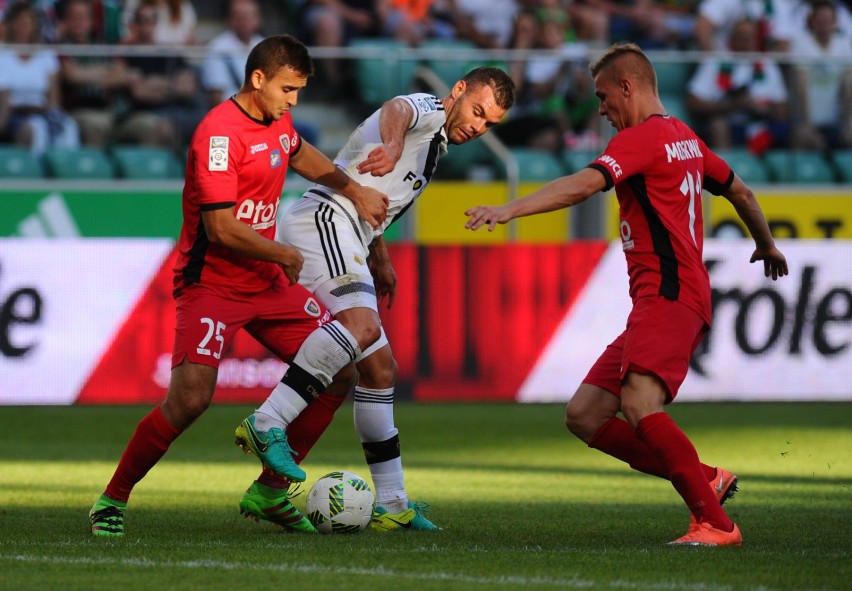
{"x":330,"y":240}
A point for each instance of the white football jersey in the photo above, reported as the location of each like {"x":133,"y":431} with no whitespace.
{"x":425,"y":142}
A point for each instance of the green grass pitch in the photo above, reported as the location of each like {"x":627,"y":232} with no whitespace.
{"x":523,"y":505}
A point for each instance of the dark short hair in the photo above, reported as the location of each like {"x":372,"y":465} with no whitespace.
{"x":276,"y":52}
{"x":499,"y":81}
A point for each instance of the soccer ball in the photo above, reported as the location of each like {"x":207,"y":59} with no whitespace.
{"x":340,"y":502}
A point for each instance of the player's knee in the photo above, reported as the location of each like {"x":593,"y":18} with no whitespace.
{"x":583,"y":418}
{"x":366,"y":334}
{"x":181,"y":412}
{"x":574,"y":419}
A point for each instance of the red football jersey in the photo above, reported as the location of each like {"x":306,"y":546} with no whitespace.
{"x":234,"y":160}
{"x":659,"y":169}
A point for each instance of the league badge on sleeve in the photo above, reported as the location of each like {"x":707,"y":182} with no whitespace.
{"x":218,"y":154}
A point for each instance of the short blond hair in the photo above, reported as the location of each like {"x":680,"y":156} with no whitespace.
{"x":626,"y":60}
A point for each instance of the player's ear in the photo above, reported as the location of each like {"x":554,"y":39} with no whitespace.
{"x":458,"y":88}
{"x":257,"y":79}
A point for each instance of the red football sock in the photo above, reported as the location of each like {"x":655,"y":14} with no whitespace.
{"x":680,"y":460}
{"x":308,"y":427}
{"x":272,"y":480}
{"x":618,"y":439}
{"x":149,"y":443}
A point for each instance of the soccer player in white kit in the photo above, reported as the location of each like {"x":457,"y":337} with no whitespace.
{"x":395,"y":150}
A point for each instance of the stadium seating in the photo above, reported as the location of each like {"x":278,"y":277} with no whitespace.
{"x":146,"y":163}
{"x":673,"y":77}
{"x":79,"y":163}
{"x":842,"y":160}
{"x":536,"y":165}
{"x":462,"y":158}
{"x":672,"y":80}
{"x":574,"y":160}
{"x":797,"y":167}
{"x":675,"y":104}
{"x":449,"y":68}
{"x":748,"y":167}
{"x":384,"y":76}
{"x":19,"y":163}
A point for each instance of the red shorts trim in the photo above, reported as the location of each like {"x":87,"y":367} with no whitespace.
{"x":660,"y":338}
{"x":280,"y":319}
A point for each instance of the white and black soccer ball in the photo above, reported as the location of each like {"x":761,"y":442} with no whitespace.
{"x":340,"y":502}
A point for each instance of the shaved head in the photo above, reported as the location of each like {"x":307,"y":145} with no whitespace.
{"x":626,"y":61}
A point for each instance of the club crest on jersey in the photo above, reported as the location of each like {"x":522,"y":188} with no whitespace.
{"x":285,"y":142}
{"x":218,"y":153}
{"x":312,"y":308}
{"x":275,"y":158}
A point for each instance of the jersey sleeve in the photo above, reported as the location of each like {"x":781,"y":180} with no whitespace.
{"x":215,"y":156}
{"x":625,"y":156}
{"x":426,"y":109}
{"x":718,"y":175}
{"x":291,"y":141}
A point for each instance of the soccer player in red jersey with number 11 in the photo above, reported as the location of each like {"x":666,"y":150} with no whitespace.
{"x":658,"y":167}
{"x":231,"y":274}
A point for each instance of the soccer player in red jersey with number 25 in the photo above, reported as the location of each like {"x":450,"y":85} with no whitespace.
{"x":231,"y":274}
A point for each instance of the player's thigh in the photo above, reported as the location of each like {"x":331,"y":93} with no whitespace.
{"x":660,"y":339}
{"x":605,"y":373}
{"x":285,"y":316}
{"x":335,"y":267}
{"x":206,"y":323}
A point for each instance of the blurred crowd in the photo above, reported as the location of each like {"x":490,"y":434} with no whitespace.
{"x":737,"y":94}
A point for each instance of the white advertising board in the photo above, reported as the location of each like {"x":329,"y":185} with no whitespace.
{"x":789,"y":339}
{"x":61,"y":301}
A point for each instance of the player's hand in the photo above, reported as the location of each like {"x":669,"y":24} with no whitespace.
{"x":371,"y":205}
{"x":380,"y":161}
{"x":774,"y":263}
{"x":486,"y":214}
{"x":291,"y":262}
{"x":385,"y":281}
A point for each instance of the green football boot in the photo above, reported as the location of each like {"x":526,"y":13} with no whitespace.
{"x":271,"y":448}
{"x":410,"y":519}
{"x":106,"y":517}
{"x":273,"y":505}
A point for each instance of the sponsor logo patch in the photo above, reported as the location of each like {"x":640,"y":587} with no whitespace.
{"x":275,"y":158}
{"x":218,"y":153}
{"x":426,"y":104}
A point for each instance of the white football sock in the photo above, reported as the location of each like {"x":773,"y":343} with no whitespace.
{"x":373,"y":413}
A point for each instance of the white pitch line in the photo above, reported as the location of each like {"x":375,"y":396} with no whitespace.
{"x":572,"y":583}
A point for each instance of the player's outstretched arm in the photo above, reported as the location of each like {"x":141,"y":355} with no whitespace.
{"x":371,"y":204}
{"x":748,"y":209}
{"x":394,"y":121}
{"x":558,"y":194}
